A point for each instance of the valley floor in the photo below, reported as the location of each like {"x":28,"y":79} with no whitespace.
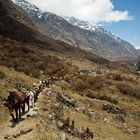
{"x":67,"y":109}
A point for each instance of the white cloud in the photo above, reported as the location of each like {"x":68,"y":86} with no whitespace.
{"x":92,"y":10}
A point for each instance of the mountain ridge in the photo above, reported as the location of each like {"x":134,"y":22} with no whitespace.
{"x":85,"y":36}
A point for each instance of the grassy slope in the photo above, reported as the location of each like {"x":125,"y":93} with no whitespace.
{"x":104,"y":89}
{"x":30,"y":59}
{"x":8,"y":80}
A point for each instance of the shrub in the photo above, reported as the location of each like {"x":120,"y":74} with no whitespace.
{"x":2,"y":75}
{"x":128,"y":89}
{"x":96,"y":82}
{"x":81,"y":86}
{"x":30,"y":59}
{"x":88,"y":82}
{"x":98,"y":72}
{"x":102,"y":97}
{"x":115,"y":76}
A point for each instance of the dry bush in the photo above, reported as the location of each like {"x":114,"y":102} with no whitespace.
{"x":88,"y":82}
{"x":67,"y":78}
{"x":129,"y":89}
{"x":118,"y":77}
{"x":108,"y":98}
{"x":115,"y":76}
{"x":121,"y":77}
{"x":30,"y":59}
{"x":2,"y":75}
{"x":86,"y":86}
{"x":81,"y":86}
{"x":102,"y":97}
{"x":96,"y":82}
{"x":98,"y":72}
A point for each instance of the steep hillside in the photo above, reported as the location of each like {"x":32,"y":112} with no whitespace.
{"x":30,"y":59}
{"x":16,"y":28}
{"x":14,"y":23}
{"x":90,"y":98}
{"x":78,"y":33}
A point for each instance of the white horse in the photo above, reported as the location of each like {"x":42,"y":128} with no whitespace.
{"x":31,"y":98}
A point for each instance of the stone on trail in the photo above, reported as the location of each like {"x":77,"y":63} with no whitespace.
{"x":32,"y":113}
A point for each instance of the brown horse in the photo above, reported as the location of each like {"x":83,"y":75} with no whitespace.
{"x":15,"y":102}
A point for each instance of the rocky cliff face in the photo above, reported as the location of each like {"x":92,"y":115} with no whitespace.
{"x":78,"y":33}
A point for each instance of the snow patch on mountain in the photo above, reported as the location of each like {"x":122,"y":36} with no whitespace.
{"x":87,"y":26}
{"x":80,"y":23}
{"x":88,"y":37}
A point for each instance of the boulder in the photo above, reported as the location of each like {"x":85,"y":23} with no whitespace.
{"x":113,"y":109}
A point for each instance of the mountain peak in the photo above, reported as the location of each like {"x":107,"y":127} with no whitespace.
{"x":81,"y":23}
{"x":78,"y":33}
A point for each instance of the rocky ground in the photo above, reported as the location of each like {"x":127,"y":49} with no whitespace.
{"x":67,"y":111}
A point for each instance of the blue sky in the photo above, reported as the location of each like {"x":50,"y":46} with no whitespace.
{"x":127,"y":30}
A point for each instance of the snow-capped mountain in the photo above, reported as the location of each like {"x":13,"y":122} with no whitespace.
{"x":81,"y":24}
{"x":78,"y":33}
{"x":87,"y":26}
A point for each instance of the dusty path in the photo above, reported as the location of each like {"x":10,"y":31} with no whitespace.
{"x":9,"y":131}
{"x":21,"y":130}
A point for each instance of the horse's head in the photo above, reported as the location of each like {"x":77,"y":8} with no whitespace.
{"x":9,"y":104}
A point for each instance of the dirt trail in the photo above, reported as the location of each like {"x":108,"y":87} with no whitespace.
{"x":25,"y":129}
{"x":21,"y":130}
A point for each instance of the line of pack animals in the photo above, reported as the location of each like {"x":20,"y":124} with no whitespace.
{"x":17,"y":99}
